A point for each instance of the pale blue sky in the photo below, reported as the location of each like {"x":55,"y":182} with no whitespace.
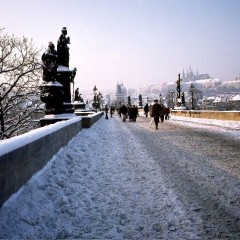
{"x":137,"y":42}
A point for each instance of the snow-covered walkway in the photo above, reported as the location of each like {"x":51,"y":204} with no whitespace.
{"x":105,"y":184}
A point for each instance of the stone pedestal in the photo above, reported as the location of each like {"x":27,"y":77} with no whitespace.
{"x":52,"y":95}
{"x":53,"y":118}
{"x":79,"y":106}
{"x":66,"y":76}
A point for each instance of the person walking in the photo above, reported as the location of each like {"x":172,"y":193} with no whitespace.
{"x":167,"y":112}
{"x":146,"y":109}
{"x":162,"y":113}
{"x":112,"y":111}
{"x":106,"y":111}
{"x":124,"y":111}
{"x":156,"y":110}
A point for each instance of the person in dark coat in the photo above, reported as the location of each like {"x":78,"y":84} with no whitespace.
{"x":123,"y":111}
{"x":133,"y":113}
{"x":162,"y":113}
{"x":156,"y":111}
{"x":167,"y":112}
{"x":146,"y":109}
{"x":106,"y":112}
{"x":112,"y":109}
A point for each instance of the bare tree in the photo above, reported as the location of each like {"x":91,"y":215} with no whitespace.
{"x":20,"y":73}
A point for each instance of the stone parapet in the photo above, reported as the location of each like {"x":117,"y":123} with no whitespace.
{"x":24,"y":155}
{"x":89,"y":120}
{"x":219,"y":115}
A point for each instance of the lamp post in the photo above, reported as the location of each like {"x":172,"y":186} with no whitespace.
{"x":99,"y":97}
{"x":160,"y":98}
{"x":129,"y":101}
{"x":192,"y":88}
{"x":95,"y":98}
{"x":178,"y":98}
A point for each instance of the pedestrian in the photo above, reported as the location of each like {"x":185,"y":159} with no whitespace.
{"x":167,"y":112}
{"x":106,"y":111}
{"x":112,"y":111}
{"x":162,"y":113}
{"x":146,"y":109}
{"x":151,"y":113}
{"x":130,"y":113}
{"x":133,"y":113}
{"x":156,"y":110}
{"x":123,"y":111}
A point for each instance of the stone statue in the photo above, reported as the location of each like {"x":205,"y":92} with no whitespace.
{"x":76,"y":97}
{"x":49,"y":59}
{"x":63,"y":49}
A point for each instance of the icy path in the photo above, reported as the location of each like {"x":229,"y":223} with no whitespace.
{"x":103,"y":185}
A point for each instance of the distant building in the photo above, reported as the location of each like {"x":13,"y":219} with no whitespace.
{"x":189,"y":76}
{"x":235,"y":83}
{"x":121,"y":93}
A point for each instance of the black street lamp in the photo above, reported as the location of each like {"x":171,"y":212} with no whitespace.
{"x":160,"y":98}
{"x":179,"y":97}
{"x":95,"y":98}
{"x":192,"y":88}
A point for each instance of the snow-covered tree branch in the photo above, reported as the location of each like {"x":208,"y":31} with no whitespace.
{"x":20,"y":73}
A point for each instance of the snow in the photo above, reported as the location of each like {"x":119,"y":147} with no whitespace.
{"x":76,"y":195}
{"x":9,"y":145}
{"x":51,"y":83}
{"x":62,"y":68}
{"x":60,"y":116}
{"x":225,"y":127}
{"x":236,"y":98}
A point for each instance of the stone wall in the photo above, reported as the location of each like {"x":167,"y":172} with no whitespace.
{"x":24,"y":155}
{"x":220,"y":115}
{"x":89,"y":120}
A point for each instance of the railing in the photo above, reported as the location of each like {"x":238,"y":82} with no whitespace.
{"x":22,"y":156}
{"x":220,"y":115}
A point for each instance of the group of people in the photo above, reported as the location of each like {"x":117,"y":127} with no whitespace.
{"x":128,"y":112}
{"x":112,"y":110}
{"x":157,"y":111}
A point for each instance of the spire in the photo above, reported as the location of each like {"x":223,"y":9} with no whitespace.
{"x":183,"y":75}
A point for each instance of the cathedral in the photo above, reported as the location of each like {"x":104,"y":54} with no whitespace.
{"x":189,"y":76}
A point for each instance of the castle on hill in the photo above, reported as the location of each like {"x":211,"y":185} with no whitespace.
{"x":189,"y":76}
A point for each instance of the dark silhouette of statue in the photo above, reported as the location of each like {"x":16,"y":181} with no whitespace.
{"x":140,"y":99}
{"x":183,"y":98}
{"x":178,"y":86}
{"x":76,"y":98}
{"x":55,"y":91}
{"x":63,"y":49}
{"x":49,"y":59}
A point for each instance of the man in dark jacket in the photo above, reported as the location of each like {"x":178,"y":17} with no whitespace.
{"x":156,"y":111}
{"x":146,"y":109}
{"x":123,"y":111}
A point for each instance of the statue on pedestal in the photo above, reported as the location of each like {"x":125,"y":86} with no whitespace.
{"x":63,"y":49}
{"x":49,"y":59}
{"x":57,"y":77}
